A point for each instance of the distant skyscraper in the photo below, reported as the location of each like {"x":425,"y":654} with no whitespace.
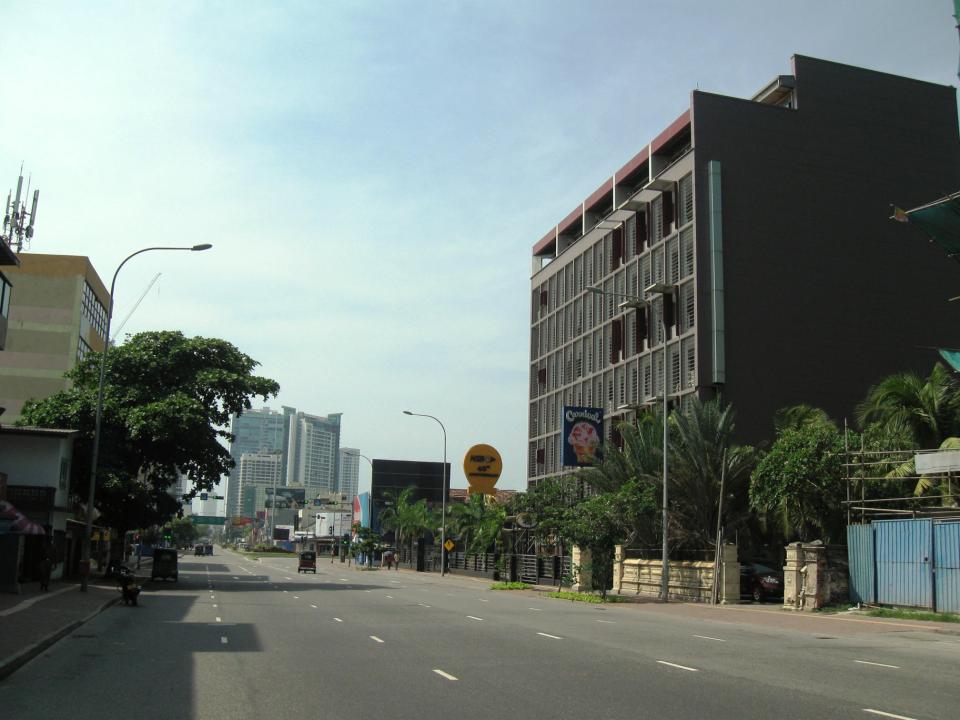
{"x":255,"y":431}
{"x":258,"y":471}
{"x":313,"y":445}
{"x":349,"y":479}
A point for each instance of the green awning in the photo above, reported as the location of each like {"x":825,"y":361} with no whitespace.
{"x":940,"y":220}
{"x":952,"y":357}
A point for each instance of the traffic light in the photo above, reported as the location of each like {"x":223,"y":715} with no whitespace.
{"x":167,"y":534}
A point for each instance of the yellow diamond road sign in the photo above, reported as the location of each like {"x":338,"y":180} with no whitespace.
{"x":449,"y":545}
{"x":482,"y":465}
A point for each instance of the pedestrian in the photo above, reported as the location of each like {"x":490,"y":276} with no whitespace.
{"x":46,"y":566}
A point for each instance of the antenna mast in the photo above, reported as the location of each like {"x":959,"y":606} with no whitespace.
{"x":18,"y":222}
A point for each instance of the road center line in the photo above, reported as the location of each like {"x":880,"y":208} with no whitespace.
{"x":682,"y":667}
{"x":482,"y":600}
{"x":474,"y":618}
{"x":313,"y":606}
{"x":338,"y":619}
{"x":707,"y":637}
{"x":296,"y":597}
{"x":886,"y":714}
{"x":555,"y":637}
{"x":867,"y":662}
{"x":376,"y":639}
{"x":535,"y":609}
{"x":389,"y":596}
{"x":423,"y":605}
{"x":441,"y":673}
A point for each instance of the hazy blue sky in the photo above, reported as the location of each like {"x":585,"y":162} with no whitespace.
{"x":373,"y":174}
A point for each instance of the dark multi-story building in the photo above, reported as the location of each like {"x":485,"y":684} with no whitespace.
{"x":769,"y":219}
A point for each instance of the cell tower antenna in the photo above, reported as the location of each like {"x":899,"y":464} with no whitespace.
{"x":18,"y":222}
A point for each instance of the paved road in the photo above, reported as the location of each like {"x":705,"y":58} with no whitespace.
{"x":242,"y":639}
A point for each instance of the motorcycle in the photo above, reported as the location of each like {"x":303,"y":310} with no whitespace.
{"x":129,"y":589}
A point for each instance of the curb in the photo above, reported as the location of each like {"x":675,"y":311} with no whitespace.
{"x":11,"y":664}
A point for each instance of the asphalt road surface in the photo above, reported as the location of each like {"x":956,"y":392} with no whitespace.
{"x":236,"y":638}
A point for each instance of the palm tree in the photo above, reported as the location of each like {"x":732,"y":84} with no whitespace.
{"x":927,"y":407}
{"x":407,"y":519}
{"x":703,"y":451}
{"x":477,"y":523}
{"x":801,"y":415}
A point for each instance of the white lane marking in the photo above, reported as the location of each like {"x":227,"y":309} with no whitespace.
{"x":223,"y":639}
{"x":608,"y":622}
{"x":441,"y":673}
{"x":286,"y":591}
{"x":535,"y":609}
{"x":707,"y":637}
{"x":423,"y":605}
{"x":867,"y":662}
{"x":368,"y":590}
{"x":474,"y":618}
{"x":286,"y":578}
{"x":219,"y":620}
{"x":389,"y":596}
{"x":338,"y":619}
{"x":395,"y":581}
{"x":482,"y":600}
{"x":212,"y":597}
{"x":313,"y":606}
{"x":376,"y":639}
{"x":236,"y":577}
{"x":343,"y":580}
{"x":682,"y":667}
{"x":886,"y":714}
{"x":296,"y":597}
{"x":550,"y":636}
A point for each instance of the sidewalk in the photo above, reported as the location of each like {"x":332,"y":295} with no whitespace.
{"x":33,"y":620}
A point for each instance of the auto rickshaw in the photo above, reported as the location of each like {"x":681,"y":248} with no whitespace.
{"x":308,"y":562}
{"x":164,"y":564}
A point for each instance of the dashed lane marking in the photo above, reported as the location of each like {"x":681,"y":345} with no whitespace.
{"x":338,"y":619}
{"x":446,"y":675}
{"x":389,"y":596}
{"x":707,"y":637}
{"x":607,"y":622}
{"x":681,"y":667}
{"x":423,"y":605}
{"x":867,"y":662}
{"x":555,"y":637}
{"x":376,"y":639}
{"x":313,"y":606}
{"x":886,"y":714}
{"x":535,"y":609}
{"x":474,"y":618}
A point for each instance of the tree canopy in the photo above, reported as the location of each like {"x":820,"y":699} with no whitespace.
{"x":167,"y":403}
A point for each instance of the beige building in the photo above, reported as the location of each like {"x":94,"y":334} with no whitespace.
{"x":58,"y":313}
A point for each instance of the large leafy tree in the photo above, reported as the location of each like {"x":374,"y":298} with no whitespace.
{"x":801,"y":480}
{"x":167,"y":403}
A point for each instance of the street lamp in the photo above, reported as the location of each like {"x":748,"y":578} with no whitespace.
{"x":443,"y":499}
{"x":635,"y":302}
{"x":87,"y":538}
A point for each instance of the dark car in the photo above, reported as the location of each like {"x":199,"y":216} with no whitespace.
{"x":760,"y":582}
{"x":198,"y":550}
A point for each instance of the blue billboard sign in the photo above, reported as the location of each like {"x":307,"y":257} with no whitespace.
{"x":582,"y":436}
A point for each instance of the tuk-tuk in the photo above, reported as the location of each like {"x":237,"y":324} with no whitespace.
{"x":164,"y":564}
{"x":198,"y":550}
{"x":308,"y":562}
{"x":208,"y":549}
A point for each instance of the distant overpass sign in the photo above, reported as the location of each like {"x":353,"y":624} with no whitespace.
{"x":208,"y":520}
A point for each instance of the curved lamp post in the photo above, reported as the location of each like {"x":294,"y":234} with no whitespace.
{"x":443,"y":499}
{"x":87,"y":538}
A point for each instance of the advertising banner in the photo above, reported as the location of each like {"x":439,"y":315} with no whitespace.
{"x":582,"y":436}
{"x":287,"y":497}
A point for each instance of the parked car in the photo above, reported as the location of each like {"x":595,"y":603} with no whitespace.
{"x":760,"y":582}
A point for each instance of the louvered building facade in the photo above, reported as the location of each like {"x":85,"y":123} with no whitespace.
{"x":769,"y":217}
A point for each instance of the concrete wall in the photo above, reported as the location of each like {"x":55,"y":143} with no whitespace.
{"x":688,"y":580}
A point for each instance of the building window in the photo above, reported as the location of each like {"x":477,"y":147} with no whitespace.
{"x":656,"y":220}
{"x":685,"y":199}
{"x":687,"y":252}
{"x":82,"y":350}
{"x":689,"y":364}
{"x":687,"y":307}
{"x":5,"y":288}
{"x":93,"y":311}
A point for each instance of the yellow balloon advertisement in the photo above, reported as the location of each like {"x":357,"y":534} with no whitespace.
{"x":482,"y":465}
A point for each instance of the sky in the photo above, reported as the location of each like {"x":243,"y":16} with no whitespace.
{"x":373,"y":175}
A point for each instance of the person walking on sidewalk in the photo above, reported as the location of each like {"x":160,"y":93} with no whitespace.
{"x":46,"y":565}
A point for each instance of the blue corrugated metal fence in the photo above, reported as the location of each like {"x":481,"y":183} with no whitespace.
{"x":906,"y":562}
{"x":947,"y":544}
